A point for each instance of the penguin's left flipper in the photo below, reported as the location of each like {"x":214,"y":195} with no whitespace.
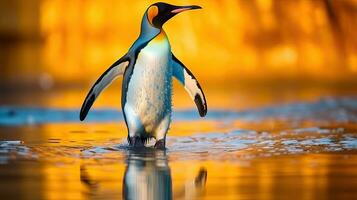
{"x":115,"y":70}
{"x":188,"y":80}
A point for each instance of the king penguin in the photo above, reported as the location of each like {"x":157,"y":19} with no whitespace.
{"x":147,"y":69}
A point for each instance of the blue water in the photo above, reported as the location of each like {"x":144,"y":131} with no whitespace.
{"x":323,"y":110}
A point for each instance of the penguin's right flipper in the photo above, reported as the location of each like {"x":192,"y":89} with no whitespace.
{"x":115,"y":70}
{"x":189,"y":81}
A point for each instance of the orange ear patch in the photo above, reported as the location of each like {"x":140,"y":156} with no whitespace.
{"x":152,"y":12}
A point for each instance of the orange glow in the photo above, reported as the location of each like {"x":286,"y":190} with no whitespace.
{"x":226,"y":41}
{"x":66,"y":172}
{"x":242,"y":38}
{"x":62,"y":47}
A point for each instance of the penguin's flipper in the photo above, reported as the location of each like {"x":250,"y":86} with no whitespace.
{"x":188,"y":80}
{"x":115,"y":70}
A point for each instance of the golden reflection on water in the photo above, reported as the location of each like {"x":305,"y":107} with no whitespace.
{"x":69,"y":165}
{"x":294,"y":177}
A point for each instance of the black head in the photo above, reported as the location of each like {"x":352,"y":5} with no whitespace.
{"x":159,"y":13}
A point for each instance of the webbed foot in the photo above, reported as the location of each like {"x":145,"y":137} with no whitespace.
{"x":136,"y":141}
{"x":160,"y":144}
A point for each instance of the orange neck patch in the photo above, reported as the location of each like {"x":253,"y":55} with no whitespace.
{"x":160,"y":37}
{"x":151,"y":13}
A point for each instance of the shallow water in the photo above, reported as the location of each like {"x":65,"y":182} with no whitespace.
{"x":305,"y":149}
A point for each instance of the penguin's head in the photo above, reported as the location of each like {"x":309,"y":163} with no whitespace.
{"x":159,"y":13}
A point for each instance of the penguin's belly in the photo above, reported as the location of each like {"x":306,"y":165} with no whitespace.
{"x":149,"y":89}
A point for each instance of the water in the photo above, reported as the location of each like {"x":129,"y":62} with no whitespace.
{"x":297,"y":150}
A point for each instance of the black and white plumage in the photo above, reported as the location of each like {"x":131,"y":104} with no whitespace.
{"x":148,"y":68}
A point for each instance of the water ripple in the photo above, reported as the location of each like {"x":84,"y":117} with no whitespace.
{"x":242,"y":144}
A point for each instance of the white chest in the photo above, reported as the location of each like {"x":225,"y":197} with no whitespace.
{"x":149,"y":89}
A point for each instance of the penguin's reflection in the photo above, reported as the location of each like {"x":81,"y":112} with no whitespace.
{"x":86,"y":180}
{"x":148,"y":177}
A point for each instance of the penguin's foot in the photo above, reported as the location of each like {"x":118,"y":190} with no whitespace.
{"x":160,"y":144}
{"x":136,"y":141}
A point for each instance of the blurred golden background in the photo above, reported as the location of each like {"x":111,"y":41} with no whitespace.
{"x":50,"y":43}
{"x":245,"y":53}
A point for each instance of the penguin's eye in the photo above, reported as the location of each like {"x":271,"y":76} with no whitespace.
{"x":152,"y":12}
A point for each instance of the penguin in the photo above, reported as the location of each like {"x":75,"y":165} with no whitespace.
{"x":147,"y":69}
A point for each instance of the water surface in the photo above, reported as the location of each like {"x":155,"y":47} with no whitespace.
{"x":297,"y":150}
